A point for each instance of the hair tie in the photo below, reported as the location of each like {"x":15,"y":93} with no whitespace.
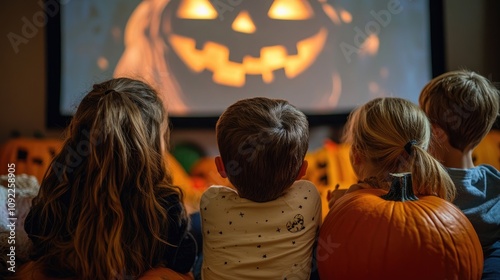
{"x":108,"y":91}
{"x":409,"y":145}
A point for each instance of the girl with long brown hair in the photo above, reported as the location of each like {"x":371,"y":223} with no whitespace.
{"x":107,"y":208}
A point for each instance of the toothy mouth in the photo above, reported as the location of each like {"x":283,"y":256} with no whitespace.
{"x":215,"y":58}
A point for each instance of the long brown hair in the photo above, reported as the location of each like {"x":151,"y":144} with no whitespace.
{"x":100,"y":204}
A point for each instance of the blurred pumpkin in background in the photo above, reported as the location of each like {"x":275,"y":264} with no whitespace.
{"x":488,"y":150}
{"x":31,"y":156}
{"x":204,"y":174}
{"x":329,"y":169}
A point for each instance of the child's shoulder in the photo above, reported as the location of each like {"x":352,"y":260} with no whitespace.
{"x":484,"y":171}
{"x":478,"y":169}
{"x":489,"y":169}
{"x":217,"y":191}
{"x":490,"y":174}
{"x":302,"y":187}
{"x":303,"y":184}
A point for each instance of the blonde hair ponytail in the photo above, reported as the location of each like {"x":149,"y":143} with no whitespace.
{"x":393,"y":135}
{"x":428,"y":175}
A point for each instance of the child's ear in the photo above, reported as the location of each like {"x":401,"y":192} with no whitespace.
{"x":439,"y":134}
{"x":302,"y":170}
{"x":354,"y":157}
{"x":220,"y":167}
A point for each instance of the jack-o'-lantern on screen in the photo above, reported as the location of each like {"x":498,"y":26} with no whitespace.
{"x":228,"y":48}
{"x":229,"y":45}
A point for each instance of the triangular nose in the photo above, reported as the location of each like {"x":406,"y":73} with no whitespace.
{"x":243,"y":23}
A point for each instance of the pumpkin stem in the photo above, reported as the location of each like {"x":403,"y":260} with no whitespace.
{"x":401,"y":188}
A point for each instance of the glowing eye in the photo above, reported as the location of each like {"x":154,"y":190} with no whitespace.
{"x":196,"y":9}
{"x":290,"y":10}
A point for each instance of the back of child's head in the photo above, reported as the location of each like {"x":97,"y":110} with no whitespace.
{"x":262,"y":143}
{"x":393,"y":135}
{"x":462,"y":103}
{"x":124,"y":124}
{"x":101,"y":197}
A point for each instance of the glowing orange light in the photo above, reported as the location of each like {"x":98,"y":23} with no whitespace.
{"x":290,"y":10}
{"x":243,"y":23}
{"x":336,"y":89}
{"x":370,"y":46}
{"x":373,"y":87}
{"x":102,"y":63}
{"x":331,"y":13}
{"x":196,"y":9}
{"x":345,"y":16}
{"x":215,"y":57}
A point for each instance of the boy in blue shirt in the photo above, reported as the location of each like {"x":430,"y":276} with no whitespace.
{"x":462,"y":107}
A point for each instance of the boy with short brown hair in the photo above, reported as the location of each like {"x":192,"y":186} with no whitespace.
{"x":462,"y":107}
{"x":266,"y":228}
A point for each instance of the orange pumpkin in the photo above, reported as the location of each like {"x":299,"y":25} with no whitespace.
{"x":372,"y":234}
{"x":32,"y":156}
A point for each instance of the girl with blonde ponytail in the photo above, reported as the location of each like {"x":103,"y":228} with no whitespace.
{"x":107,"y":208}
{"x":392,"y":135}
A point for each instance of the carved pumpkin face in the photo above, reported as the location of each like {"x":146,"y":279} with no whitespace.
{"x":201,"y":51}
{"x":235,"y":42}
